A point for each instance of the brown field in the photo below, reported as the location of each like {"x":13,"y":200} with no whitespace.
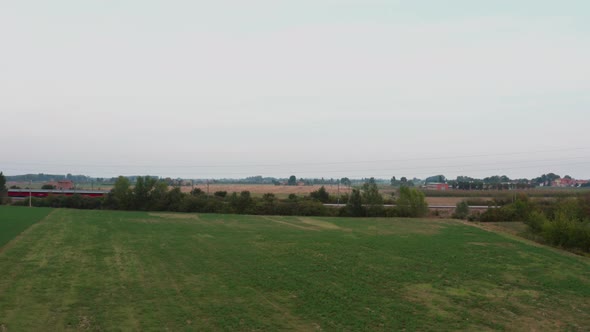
{"x":448,"y":200}
{"x":260,"y":189}
{"x":284,"y":191}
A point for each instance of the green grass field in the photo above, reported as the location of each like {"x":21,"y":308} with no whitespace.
{"x":105,"y":271}
{"x":14,"y":220}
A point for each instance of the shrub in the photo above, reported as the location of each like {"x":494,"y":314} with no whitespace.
{"x":197,"y":192}
{"x":519,"y":210}
{"x":411,"y":203}
{"x":355,"y":204}
{"x":566,"y":232}
{"x":536,"y":221}
{"x":320,"y":195}
{"x":461,"y":211}
{"x":221,"y":194}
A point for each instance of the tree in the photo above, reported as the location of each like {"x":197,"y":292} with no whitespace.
{"x":462,"y":210}
{"x":292,"y":181}
{"x":372,"y":198}
{"x":241,"y":203}
{"x":142,"y":192}
{"x":371,"y":193}
{"x":321,"y":195}
{"x":393,"y":181}
{"x":267,"y":204}
{"x":121,"y":193}
{"x":346,"y":182}
{"x":3,"y":189}
{"x":411,"y":203}
{"x":173,"y":199}
{"x":403,"y":181}
{"x":159,"y":196}
{"x":2,"y":182}
{"x":48,"y":187}
{"x":354,"y":205}
{"x":436,"y":178}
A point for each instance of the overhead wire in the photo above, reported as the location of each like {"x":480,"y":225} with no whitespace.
{"x":171,"y":165}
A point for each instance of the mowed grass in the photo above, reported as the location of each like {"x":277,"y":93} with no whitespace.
{"x":109,"y":271}
{"x":14,"y":220}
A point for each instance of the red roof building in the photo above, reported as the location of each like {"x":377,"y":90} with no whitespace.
{"x":62,"y":184}
{"x":437,"y":186}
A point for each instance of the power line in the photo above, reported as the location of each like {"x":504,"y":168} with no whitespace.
{"x":305,"y":163}
{"x":432,"y":169}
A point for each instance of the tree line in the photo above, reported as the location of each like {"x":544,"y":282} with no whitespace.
{"x":151,"y":194}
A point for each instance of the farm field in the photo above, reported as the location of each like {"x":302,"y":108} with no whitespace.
{"x":285,"y":191}
{"x":261,"y":189}
{"x":14,"y":220}
{"x":113,"y":270}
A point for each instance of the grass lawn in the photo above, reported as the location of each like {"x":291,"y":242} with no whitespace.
{"x":14,"y":220}
{"x":103,"y":270}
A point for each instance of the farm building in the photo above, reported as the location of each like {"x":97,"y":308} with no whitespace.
{"x":436,"y":186}
{"x":62,"y":184}
{"x":568,"y":182}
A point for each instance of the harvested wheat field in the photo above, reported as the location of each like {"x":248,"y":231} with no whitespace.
{"x":260,"y":189}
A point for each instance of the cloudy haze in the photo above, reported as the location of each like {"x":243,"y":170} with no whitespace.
{"x":314,"y":88}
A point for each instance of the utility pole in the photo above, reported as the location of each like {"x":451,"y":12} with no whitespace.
{"x":30,"y":193}
{"x":207,"y":187}
{"x":338,"y":192}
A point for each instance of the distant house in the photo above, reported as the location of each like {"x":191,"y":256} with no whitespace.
{"x":65,"y":185}
{"x":436,"y":186}
{"x":62,"y":184}
{"x":563,"y":182}
{"x":568,"y":182}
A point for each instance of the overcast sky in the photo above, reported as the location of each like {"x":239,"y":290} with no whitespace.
{"x":353,"y":88}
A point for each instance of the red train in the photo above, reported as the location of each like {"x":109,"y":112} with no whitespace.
{"x":24,"y":193}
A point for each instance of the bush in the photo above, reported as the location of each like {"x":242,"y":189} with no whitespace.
{"x":519,"y":210}
{"x":566,"y":230}
{"x":311,"y":208}
{"x":536,"y":221}
{"x":221,"y":194}
{"x":495,"y":214}
{"x":411,"y":203}
{"x":461,"y":211}
{"x":320,"y":195}
{"x":355,"y":204}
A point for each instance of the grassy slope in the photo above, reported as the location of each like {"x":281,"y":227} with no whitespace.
{"x":135,"y":271}
{"x":14,"y":220}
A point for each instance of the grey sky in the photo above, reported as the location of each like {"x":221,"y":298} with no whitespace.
{"x":236,"y":88}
